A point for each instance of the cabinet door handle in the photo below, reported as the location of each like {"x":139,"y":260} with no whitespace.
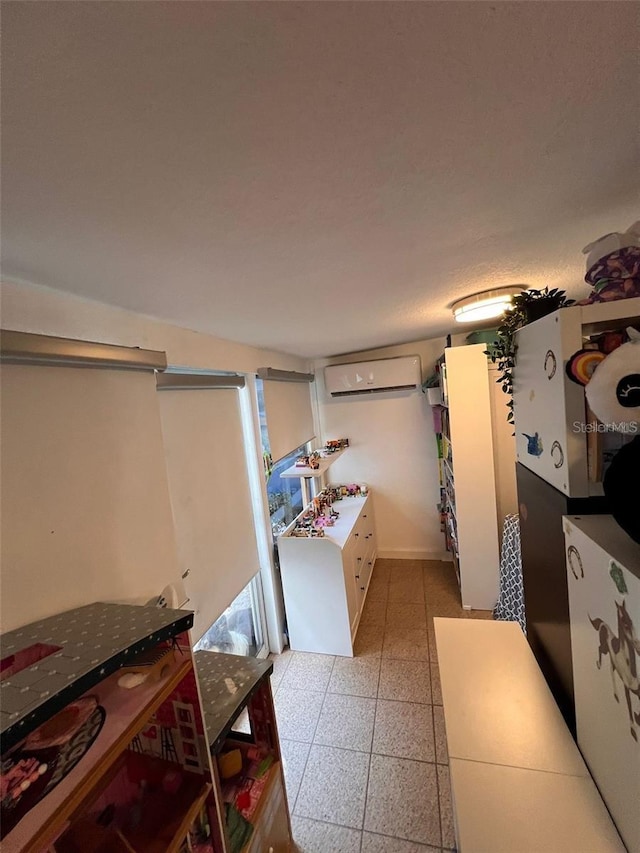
{"x":369,"y":562}
{"x":359,"y":559}
{"x":362,"y":588}
{"x":365,"y":515}
{"x":357,"y":577}
{"x":356,"y":535}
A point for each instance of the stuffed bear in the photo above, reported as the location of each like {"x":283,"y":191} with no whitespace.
{"x":612,"y":389}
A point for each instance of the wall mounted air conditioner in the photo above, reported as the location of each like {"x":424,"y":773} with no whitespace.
{"x":369,"y":377}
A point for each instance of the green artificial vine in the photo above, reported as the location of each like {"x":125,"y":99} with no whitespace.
{"x":526,"y":307}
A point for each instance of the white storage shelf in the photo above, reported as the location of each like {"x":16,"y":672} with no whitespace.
{"x":599,"y":552}
{"x":325,"y":579}
{"x":470,"y":475}
{"x":548,"y":403}
{"x":325,"y":462}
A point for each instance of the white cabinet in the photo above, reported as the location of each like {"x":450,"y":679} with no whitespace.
{"x":603,"y":570}
{"x":549,"y":408}
{"x":325,"y":579}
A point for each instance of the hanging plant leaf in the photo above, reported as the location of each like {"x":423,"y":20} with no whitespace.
{"x":526,"y":306}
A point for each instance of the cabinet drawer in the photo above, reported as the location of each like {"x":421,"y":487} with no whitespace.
{"x":363,"y":576}
{"x":359,"y":532}
{"x":369,"y":562}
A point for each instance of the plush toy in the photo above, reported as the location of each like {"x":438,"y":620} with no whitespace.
{"x":613,"y":266}
{"x":612,"y":389}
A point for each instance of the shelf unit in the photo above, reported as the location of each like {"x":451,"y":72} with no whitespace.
{"x":477,"y":471}
{"x":564,"y":479}
{"x":230,"y":684}
{"x":447,"y":494}
{"x":325,"y":463}
{"x":547,"y":404}
{"x":91,"y":764}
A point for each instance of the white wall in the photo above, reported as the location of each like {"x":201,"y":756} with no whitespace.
{"x":29,"y":308}
{"x":393,"y":449}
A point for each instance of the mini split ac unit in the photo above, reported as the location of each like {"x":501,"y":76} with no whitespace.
{"x":369,"y":377}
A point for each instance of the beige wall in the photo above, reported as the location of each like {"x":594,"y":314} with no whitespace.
{"x":29,"y":308}
{"x":393,"y":449}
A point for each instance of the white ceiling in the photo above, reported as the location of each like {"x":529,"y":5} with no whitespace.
{"x":314,"y":177}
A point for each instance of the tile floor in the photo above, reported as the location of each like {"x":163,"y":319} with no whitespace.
{"x":363,"y":738}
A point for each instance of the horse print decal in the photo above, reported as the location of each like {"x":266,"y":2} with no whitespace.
{"x":622,"y":650}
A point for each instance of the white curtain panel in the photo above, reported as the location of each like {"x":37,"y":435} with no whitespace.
{"x":289,"y":415}
{"x":86,"y":514}
{"x":210,"y":497}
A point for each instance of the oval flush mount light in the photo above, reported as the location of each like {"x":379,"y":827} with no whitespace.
{"x":486,"y":305}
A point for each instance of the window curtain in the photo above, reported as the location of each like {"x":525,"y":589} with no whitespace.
{"x":289,"y":416}
{"x":86,"y":514}
{"x":210,"y":497}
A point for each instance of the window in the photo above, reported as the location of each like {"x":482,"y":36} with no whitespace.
{"x":286,"y":498}
{"x":238,"y":630}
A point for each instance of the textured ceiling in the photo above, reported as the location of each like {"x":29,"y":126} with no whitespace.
{"x":314,"y":177}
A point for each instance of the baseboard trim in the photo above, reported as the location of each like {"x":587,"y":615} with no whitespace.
{"x":409,"y":554}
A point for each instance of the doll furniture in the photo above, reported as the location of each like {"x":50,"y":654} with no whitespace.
{"x":94,"y":761}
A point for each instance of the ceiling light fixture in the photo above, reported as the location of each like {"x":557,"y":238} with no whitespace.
{"x":486,"y":305}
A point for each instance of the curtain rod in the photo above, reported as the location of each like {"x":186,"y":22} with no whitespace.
{"x":284,"y":375}
{"x":197,"y":381}
{"x":28,"y":348}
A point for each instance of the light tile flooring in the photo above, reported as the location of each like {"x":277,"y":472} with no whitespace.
{"x":363,"y":738}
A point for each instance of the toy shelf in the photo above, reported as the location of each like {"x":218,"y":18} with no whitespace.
{"x":127,"y":767}
{"x":266,"y":797}
{"x":167,"y":817}
{"x":126,"y":714}
{"x":549,"y":406}
{"x":268,"y":816}
{"x":163,"y":822}
{"x":325,"y":462}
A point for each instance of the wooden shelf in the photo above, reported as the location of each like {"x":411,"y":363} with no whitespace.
{"x":325,"y":462}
